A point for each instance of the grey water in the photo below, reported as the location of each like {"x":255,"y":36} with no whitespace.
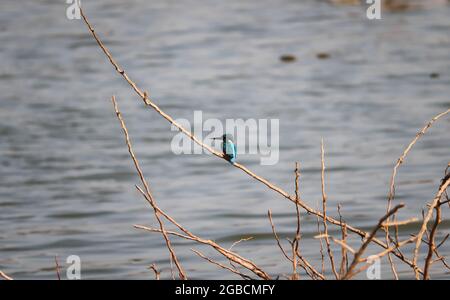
{"x":67,"y":184}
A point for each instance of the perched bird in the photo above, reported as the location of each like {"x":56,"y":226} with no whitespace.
{"x":228,"y":147}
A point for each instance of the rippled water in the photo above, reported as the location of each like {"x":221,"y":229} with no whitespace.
{"x":67,"y":183}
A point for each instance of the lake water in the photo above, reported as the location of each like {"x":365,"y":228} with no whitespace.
{"x":67,"y":182}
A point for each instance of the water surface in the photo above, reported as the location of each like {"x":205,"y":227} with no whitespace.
{"x":67,"y":183}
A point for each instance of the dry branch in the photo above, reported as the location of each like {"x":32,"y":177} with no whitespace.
{"x":4,"y":276}
{"x":392,"y":248}
{"x":228,"y":254}
{"x":148,"y":194}
{"x":241,"y":240}
{"x":356,"y":258}
{"x":391,"y":195}
{"x":324,"y":211}
{"x":370,"y":238}
{"x":271,"y":186}
{"x":436,"y":252}
{"x":434,"y":204}
{"x":296,"y":241}
{"x":342,"y":243}
{"x":58,"y":275}
{"x":381,"y":254}
{"x":157,"y":211}
{"x":399,"y":223}
{"x":269,"y":214}
{"x":221,"y":265}
{"x":155,"y":270}
{"x":344,"y":257}
{"x":432,"y":243}
{"x":320,"y":236}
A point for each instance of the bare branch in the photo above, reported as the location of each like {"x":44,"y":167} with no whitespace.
{"x":155,"y":270}
{"x":228,"y":254}
{"x":361,"y":250}
{"x":434,"y":204}
{"x":391,"y":195}
{"x":58,"y":275}
{"x":296,"y":242}
{"x":221,"y":265}
{"x":324,"y":211}
{"x":149,"y":197}
{"x":4,"y":276}
{"x":269,"y":214}
{"x":144,"y":96}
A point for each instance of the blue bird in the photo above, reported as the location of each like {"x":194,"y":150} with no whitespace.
{"x":228,"y":147}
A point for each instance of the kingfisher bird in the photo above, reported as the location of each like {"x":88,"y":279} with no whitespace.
{"x":228,"y":147}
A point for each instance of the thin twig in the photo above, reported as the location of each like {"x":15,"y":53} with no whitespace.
{"x":58,"y":275}
{"x":436,"y":252}
{"x":234,"y":244}
{"x":363,"y":247}
{"x":443,"y":241}
{"x":271,"y":186}
{"x":241,"y":240}
{"x":400,"y":223}
{"x":235,"y":271}
{"x":391,"y":195}
{"x":324,"y":211}
{"x":269,"y":214}
{"x":380,"y":255}
{"x":322,"y":256}
{"x":155,"y":270}
{"x":228,"y":254}
{"x":149,"y":197}
{"x":392,"y":248}
{"x":308,"y":265}
{"x":342,"y":243}
{"x":432,"y":243}
{"x":4,"y":276}
{"x":423,"y":228}
{"x":439,"y":257}
{"x":190,"y":236}
{"x":401,"y":159}
{"x":344,"y":257}
{"x":296,"y":242}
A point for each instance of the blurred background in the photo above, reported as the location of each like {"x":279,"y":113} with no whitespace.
{"x":66,"y":180}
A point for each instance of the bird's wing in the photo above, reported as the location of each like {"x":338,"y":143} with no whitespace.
{"x":230,"y":149}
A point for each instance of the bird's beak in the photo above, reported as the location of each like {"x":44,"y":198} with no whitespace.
{"x":216,"y":138}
